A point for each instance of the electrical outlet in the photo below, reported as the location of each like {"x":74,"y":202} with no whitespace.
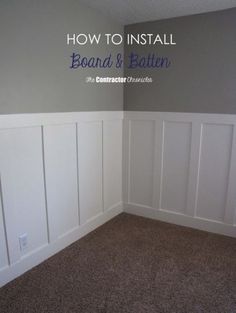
{"x":23,"y":240}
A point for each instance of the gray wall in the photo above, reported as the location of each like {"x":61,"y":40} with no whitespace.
{"x":34,"y":58}
{"x":202,"y":77}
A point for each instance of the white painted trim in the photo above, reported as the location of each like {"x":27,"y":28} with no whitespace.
{"x":125,"y":160}
{"x":198,"y":165}
{"x":158,"y":156}
{"x":227,"y":223}
{"x":181,"y":219}
{"x":230,"y":213}
{"x":9,"y":273}
{"x":162,"y":143}
{"x":42,"y":119}
{"x":193,"y":167}
{"x":181,"y":117}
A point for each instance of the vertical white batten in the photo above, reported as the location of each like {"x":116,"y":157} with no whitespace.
{"x":158,"y":138}
{"x":162,"y":164}
{"x":194,"y":164}
{"x":198,"y":170}
{"x":4,"y":250}
{"x":230,"y":208}
{"x":103,"y":188}
{"x":125,"y":160}
{"x":45,"y":185}
{"x":77,"y":172}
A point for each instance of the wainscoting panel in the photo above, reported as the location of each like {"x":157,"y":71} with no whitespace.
{"x":141,"y":162}
{"x":60,"y":154}
{"x":64,"y":174}
{"x":175,"y":170}
{"x":214,"y":168}
{"x":112,"y":163}
{"x":60,"y":177}
{"x":182,"y":172}
{"x":23,"y":189}
{"x":90,"y":170}
{"x":3,"y":245}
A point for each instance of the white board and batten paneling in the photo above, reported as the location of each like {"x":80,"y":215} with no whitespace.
{"x":64,"y":174}
{"x":22,"y":184}
{"x":61,"y":177}
{"x":176,"y":157}
{"x":60,"y":155}
{"x":100,"y":167}
{"x":214,"y":168}
{"x":180,"y":167}
{"x":90,"y":170}
{"x":141,"y":157}
{"x":112,"y":163}
{"x":4,"y":262}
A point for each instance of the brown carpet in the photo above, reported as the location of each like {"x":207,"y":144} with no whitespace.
{"x":132,"y":265}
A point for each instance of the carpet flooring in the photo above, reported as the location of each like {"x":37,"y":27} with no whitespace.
{"x":131,"y":265}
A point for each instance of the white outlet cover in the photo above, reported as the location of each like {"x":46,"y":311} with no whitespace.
{"x":23,"y":240}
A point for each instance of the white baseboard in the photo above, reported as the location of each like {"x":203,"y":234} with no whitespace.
{"x":36,"y":257}
{"x":181,"y":219}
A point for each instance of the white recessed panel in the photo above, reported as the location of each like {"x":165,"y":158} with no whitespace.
{"x":176,"y":156}
{"x":21,"y":167}
{"x":141,"y":162}
{"x":90,"y":170}
{"x":214,"y":171}
{"x":3,"y":247}
{"x":61,"y":178}
{"x":112,"y":163}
